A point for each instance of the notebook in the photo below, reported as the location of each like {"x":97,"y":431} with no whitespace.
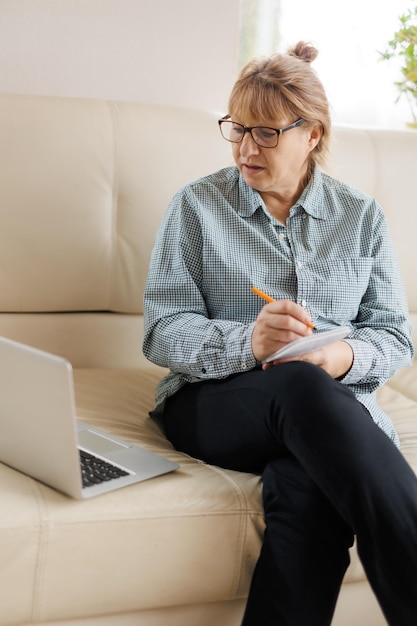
{"x":41,"y":436}
{"x":309,"y":343}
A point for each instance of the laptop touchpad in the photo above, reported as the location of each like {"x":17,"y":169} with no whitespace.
{"x":97,"y":443}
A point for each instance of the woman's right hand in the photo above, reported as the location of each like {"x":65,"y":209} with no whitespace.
{"x":278,"y":323}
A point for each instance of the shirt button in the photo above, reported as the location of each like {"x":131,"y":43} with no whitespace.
{"x":304,"y":216}
{"x":299,"y":264}
{"x":281,"y":235}
{"x":244,"y":366}
{"x":304,"y":303}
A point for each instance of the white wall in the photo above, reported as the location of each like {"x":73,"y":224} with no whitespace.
{"x":164,"y":51}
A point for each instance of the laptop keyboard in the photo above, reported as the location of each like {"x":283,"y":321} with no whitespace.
{"x":95,"y":471}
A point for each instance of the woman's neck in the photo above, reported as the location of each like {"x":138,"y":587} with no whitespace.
{"x":279,"y":202}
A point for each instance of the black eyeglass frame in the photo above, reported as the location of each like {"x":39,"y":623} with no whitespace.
{"x":249,"y":129}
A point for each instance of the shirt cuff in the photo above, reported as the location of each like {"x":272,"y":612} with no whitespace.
{"x":363,"y":358}
{"x":247,"y":358}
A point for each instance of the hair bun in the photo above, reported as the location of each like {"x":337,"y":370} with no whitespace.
{"x":304,"y":51}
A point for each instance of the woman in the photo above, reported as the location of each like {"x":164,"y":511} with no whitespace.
{"x":310,"y":424}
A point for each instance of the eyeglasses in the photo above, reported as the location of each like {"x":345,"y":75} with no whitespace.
{"x":263,"y":136}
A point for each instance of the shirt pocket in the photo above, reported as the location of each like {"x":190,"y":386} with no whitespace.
{"x":335,"y":288}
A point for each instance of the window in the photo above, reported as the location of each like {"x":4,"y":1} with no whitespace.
{"x":348,"y":36}
{"x":259,"y":28}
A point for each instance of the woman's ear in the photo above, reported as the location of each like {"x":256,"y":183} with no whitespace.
{"x":315,"y":136}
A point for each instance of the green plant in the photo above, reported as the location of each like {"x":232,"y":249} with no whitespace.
{"x":403,"y":46}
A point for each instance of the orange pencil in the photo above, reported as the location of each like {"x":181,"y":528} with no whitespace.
{"x":265,"y":296}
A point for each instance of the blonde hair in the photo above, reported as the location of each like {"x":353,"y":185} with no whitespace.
{"x":284,"y":86}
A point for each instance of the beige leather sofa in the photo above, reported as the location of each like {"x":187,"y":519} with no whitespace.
{"x":83,"y":185}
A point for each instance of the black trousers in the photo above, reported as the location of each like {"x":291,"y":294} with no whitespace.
{"x":329,"y":473}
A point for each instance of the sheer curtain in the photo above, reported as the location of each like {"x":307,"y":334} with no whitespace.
{"x":348,"y":36}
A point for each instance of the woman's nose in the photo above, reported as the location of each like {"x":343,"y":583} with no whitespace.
{"x":248,"y":145}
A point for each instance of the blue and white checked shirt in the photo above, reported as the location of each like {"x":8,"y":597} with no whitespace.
{"x":334,"y":257}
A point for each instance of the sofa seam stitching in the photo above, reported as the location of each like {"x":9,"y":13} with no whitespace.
{"x":112,"y":106}
{"x":42,"y":540}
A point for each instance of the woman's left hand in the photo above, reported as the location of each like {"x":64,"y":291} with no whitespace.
{"x":336,"y":359}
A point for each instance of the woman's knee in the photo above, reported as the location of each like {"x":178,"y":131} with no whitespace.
{"x":297,"y":388}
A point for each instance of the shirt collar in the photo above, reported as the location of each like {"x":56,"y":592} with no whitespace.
{"x":249,"y":199}
{"x":311,"y":200}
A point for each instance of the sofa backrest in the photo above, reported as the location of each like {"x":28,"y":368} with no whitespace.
{"x":84,"y":185}
{"x":383,"y":163}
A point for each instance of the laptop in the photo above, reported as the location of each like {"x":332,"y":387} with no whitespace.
{"x":41,"y":436}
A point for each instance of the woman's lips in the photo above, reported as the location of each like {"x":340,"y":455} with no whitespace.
{"x":251,"y":169}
